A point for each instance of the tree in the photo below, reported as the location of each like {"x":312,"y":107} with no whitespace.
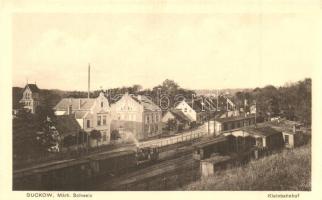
{"x":171,"y":125}
{"x":42,"y":112}
{"x":69,"y":140}
{"x":169,"y":86}
{"x":82,"y":137}
{"x":292,"y":101}
{"x":136,"y":88}
{"x":115,"y":134}
{"x":96,"y":135}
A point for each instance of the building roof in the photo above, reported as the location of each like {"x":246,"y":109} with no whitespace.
{"x":205,"y":105}
{"x":77,"y":103}
{"x":32,"y":87}
{"x":80,"y":114}
{"x":216,"y":159}
{"x":234,"y":118}
{"x":146,"y":103}
{"x":284,"y":125}
{"x":180,"y":116}
{"x":209,"y":142}
{"x":261,"y":131}
{"x":67,"y":125}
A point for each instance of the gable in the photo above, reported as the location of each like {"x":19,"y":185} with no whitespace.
{"x":168,"y":115}
{"x":126,"y":103}
{"x":32,"y":88}
{"x":184,"y":107}
{"x":27,"y":90}
{"x":101,"y":104}
{"x":77,"y":104}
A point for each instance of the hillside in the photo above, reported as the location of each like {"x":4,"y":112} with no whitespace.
{"x":288,"y":170}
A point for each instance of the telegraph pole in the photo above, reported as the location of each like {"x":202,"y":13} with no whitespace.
{"x":255,"y":113}
{"x":89,"y":80}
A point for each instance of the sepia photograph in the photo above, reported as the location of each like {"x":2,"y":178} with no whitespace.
{"x":162,"y":100}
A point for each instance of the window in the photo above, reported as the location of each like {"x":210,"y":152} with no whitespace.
{"x":286,"y":139}
{"x":98,"y":120}
{"x":157,"y":118}
{"x":225,"y":127}
{"x":102,"y":104}
{"x":104,"y":120}
{"x":88,"y":123}
{"x":148,"y":119}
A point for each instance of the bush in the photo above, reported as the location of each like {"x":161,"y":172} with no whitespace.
{"x":288,"y":170}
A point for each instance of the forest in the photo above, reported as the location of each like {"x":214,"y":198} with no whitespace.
{"x":292,"y":101}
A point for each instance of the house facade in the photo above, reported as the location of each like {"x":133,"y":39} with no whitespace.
{"x":137,"y":116}
{"x":90,"y":113}
{"x":181,"y":120}
{"x":31,"y":97}
{"x":187,"y":110}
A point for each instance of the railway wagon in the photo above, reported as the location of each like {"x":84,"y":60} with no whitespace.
{"x":26,"y":181}
{"x":62,"y":176}
{"x":113,"y":163}
{"x":69,"y":176}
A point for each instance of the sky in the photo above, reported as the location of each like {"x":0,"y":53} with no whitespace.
{"x":198,"y":51}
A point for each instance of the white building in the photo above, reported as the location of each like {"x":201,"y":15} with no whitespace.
{"x":31,"y":97}
{"x":90,"y":113}
{"x":187,"y":110}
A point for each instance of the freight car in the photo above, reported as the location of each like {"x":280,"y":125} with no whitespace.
{"x":78,"y":174}
{"x":112,"y":164}
{"x":60,"y":176}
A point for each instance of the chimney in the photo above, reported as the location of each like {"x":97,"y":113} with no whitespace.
{"x":69,"y":109}
{"x":89,"y":80}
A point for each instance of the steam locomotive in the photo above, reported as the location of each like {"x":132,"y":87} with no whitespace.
{"x":147,"y":155}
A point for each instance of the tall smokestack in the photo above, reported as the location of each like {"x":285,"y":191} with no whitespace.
{"x":89,"y":80}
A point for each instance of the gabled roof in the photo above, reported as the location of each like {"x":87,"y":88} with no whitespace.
{"x":180,"y":116}
{"x":234,"y":118}
{"x":262,"y":131}
{"x":146,"y":103}
{"x":80,"y":114}
{"x":32,"y":87}
{"x":67,"y":125}
{"x":200,"y":106}
{"x":77,"y":103}
{"x":196,"y":106}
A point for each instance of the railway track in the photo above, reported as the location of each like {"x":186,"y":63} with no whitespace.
{"x":147,"y":172}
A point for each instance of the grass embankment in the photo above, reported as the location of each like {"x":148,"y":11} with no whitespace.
{"x":288,"y":170}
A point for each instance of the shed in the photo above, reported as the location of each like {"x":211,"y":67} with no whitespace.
{"x":205,"y":148}
{"x":292,"y":139}
{"x":266,"y":137}
{"x":208,"y":166}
